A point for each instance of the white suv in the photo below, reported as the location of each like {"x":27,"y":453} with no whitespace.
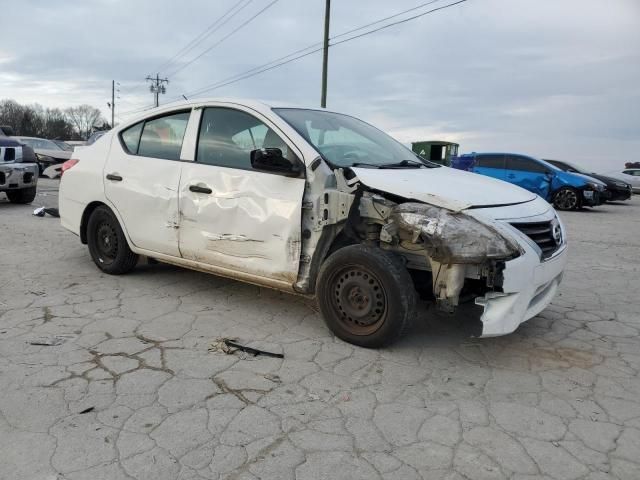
{"x":315,"y":203}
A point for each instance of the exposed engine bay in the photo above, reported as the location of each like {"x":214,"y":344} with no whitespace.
{"x":452,"y":256}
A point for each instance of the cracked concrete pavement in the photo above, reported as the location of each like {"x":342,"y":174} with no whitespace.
{"x":128,"y":388}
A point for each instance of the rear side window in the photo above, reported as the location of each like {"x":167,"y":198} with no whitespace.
{"x":515,"y":162}
{"x":490,"y":161}
{"x":131,"y":137}
{"x":162,"y":137}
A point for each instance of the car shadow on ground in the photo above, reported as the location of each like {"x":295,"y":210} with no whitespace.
{"x":430,"y":327}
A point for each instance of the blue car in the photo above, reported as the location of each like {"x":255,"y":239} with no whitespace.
{"x":567,"y":191}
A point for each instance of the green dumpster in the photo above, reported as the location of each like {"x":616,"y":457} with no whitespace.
{"x":436,"y":151}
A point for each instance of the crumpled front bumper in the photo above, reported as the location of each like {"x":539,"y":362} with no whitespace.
{"x":528,"y":287}
{"x":14,"y":176}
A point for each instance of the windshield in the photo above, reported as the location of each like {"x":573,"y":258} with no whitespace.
{"x":63,"y":145}
{"x":40,"y":144}
{"x":345,"y":141}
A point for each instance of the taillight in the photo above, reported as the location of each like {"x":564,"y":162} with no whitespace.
{"x":67,"y":165}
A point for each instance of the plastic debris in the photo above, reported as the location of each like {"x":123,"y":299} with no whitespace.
{"x":49,"y":342}
{"x":230,"y":346}
{"x":41,"y":211}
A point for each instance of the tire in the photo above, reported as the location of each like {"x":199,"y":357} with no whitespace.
{"x":107,"y":243}
{"x":24,"y":195}
{"x":567,"y":198}
{"x":366,"y":296}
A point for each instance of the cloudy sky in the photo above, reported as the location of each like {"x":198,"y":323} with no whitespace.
{"x":551,"y":78}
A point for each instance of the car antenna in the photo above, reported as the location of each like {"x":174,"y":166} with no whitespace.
{"x":183,"y":96}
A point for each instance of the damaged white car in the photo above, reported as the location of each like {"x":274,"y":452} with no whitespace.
{"x":315,"y":203}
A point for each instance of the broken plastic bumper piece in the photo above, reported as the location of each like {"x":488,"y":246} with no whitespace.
{"x":529,"y":286}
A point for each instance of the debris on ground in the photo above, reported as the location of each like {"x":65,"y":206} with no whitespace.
{"x":50,"y":341}
{"x":230,"y":346}
{"x":87,"y":410}
{"x":41,"y":211}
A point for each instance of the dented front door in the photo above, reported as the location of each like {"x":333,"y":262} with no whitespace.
{"x":232,"y":216}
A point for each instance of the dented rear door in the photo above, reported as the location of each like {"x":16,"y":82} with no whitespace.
{"x":141,"y":180}
{"x":232,"y":216}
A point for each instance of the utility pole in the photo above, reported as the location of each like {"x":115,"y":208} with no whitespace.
{"x":325,"y":54}
{"x":157,"y":87}
{"x":113,"y":102}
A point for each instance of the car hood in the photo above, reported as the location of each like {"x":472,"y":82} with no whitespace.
{"x":443,"y":186}
{"x":609,"y":181}
{"x":60,"y":154}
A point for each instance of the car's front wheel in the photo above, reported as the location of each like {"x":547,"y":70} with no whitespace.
{"x":366,"y":295}
{"x":107,"y":243}
{"x":567,"y":198}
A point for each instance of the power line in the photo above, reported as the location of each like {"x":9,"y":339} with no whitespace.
{"x":285,"y":60}
{"x":405,"y":20}
{"x":137,"y":110}
{"x":239,"y":27}
{"x":207,"y":32}
{"x":314,"y":45}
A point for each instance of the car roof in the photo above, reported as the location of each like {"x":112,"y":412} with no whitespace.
{"x":261,"y":106}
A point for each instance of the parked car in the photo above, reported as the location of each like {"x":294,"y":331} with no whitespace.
{"x":566,"y":191}
{"x":18,"y":170}
{"x":315,"y":203}
{"x":630,"y":175}
{"x":95,"y":136}
{"x":48,"y":152}
{"x":616,"y":190}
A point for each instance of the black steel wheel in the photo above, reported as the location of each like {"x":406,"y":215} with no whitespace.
{"x":107,"y":243}
{"x":366,"y":295}
{"x":567,"y":198}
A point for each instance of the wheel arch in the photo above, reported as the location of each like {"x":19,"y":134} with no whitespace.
{"x":85,"y":220}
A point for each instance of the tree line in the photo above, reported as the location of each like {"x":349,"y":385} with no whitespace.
{"x":74,"y":123}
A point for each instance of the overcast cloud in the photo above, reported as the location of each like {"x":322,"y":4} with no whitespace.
{"x":551,"y":78}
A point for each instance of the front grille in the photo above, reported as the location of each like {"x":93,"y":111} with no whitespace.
{"x":542,"y":234}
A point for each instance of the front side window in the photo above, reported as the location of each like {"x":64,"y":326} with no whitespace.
{"x":490,"y":161}
{"x":228,"y":136}
{"x":345,"y":141}
{"x":161,"y":137}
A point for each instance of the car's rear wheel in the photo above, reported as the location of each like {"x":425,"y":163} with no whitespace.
{"x":366,"y":296}
{"x":24,"y":195}
{"x":567,"y":198}
{"x":107,"y":243}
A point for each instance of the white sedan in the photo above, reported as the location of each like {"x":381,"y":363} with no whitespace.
{"x":629,"y":175}
{"x":316,"y":203}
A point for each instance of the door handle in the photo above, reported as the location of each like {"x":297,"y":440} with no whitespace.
{"x":115,"y":178}
{"x":199,"y":189}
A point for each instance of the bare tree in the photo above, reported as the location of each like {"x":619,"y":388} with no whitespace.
{"x":83,"y":119}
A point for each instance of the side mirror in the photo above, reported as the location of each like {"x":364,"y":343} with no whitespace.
{"x":272,"y":160}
